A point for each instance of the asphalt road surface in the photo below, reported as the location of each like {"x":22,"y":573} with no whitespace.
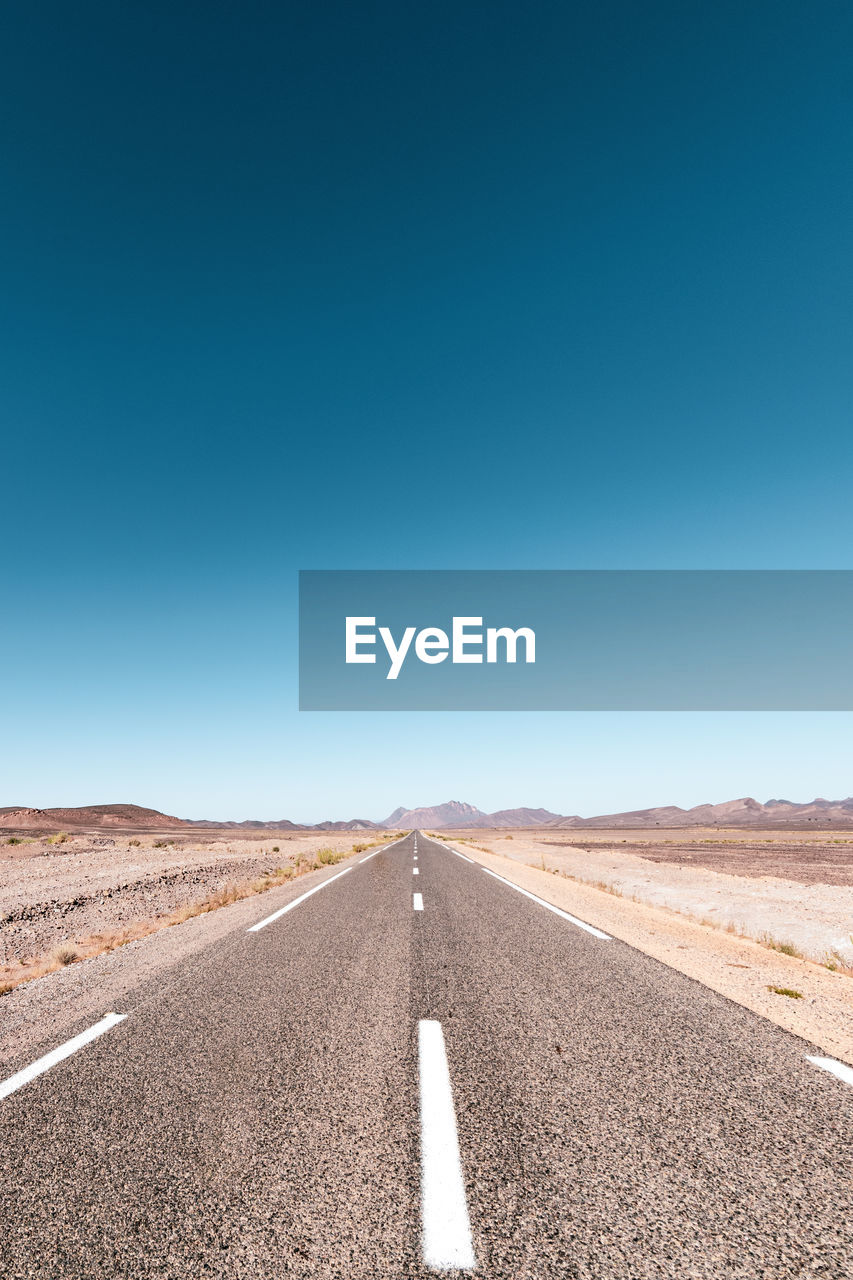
{"x":410,"y":1075}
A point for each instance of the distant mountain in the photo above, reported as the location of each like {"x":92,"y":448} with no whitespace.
{"x":284,"y":824}
{"x":354,"y":824}
{"x":523,"y":818}
{"x":745,"y":812}
{"x":133,"y":817}
{"x":123,"y":816}
{"x":451,"y":814}
{"x":454,"y":813}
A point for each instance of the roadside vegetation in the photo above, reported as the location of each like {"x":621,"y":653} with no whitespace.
{"x":469,"y":840}
{"x":786,"y":948}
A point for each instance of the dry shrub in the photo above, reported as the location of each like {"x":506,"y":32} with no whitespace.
{"x":328,"y":857}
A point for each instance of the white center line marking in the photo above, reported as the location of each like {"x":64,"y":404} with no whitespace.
{"x":558,"y":911}
{"x":415,"y":871}
{"x":835,"y":1068}
{"x":57,"y":1055}
{"x":446,"y":1228}
{"x":276,"y":915}
{"x":419,"y":902}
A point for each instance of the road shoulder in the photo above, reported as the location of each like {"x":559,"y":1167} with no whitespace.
{"x":735,"y":967}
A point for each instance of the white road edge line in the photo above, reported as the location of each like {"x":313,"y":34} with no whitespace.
{"x":49,"y":1060}
{"x":463,"y":856}
{"x":446,"y":1238}
{"x":418,"y":902}
{"x":834,"y":1068}
{"x":558,"y":911}
{"x":276,"y":915}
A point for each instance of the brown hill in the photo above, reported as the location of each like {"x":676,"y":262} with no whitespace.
{"x":130,"y":817}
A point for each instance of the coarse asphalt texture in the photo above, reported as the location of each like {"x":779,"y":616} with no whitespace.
{"x":259,"y":1117}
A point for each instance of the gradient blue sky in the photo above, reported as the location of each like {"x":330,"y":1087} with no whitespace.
{"x":380,"y":286}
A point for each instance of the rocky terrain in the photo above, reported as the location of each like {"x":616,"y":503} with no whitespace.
{"x":88,"y":885}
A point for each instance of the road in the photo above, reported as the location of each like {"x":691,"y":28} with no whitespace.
{"x":360,"y":1088}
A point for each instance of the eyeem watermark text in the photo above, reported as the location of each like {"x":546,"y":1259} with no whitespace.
{"x":466,"y":643}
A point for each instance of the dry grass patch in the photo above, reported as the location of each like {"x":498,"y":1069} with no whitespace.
{"x":786,"y":948}
{"x":328,"y":857}
{"x":838,"y":963}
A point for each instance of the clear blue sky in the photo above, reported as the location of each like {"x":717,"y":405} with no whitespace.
{"x":447,"y":285}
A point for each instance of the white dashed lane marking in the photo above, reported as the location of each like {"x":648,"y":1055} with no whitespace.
{"x":839,"y":1069}
{"x":276,"y":915}
{"x":49,"y":1060}
{"x":446,"y":1239}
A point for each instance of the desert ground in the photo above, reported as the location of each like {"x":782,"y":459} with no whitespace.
{"x":73,"y":895}
{"x":790,"y":887}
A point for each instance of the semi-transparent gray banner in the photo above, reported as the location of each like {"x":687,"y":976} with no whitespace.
{"x":576,"y":640}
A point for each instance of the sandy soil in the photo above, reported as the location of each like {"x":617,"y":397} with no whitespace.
{"x":93,"y":883}
{"x":815,"y":917}
{"x":738,"y":968}
{"x":822,"y":858}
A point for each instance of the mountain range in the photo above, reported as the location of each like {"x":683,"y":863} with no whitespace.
{"x":453,"y":814}
{"x":744,"y":812}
